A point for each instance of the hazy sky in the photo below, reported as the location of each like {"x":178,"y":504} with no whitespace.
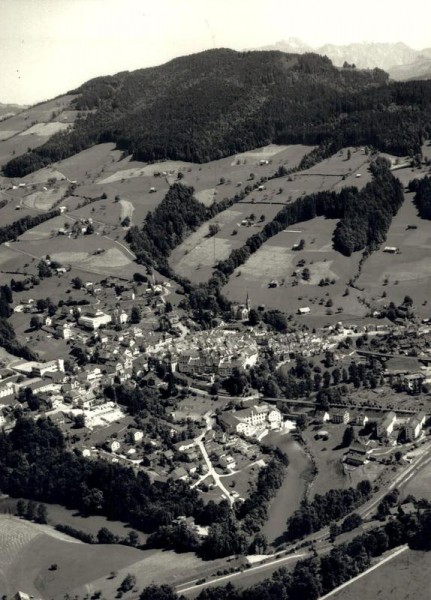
{"x":50,"y":46}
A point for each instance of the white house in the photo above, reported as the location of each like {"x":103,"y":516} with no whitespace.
{"x":94,"y":319}
{"x":414,"y":426}
{"x":304,"y":310}
{"x":386,"y":425}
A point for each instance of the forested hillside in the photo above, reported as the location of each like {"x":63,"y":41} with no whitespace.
{"x":219,"y":102}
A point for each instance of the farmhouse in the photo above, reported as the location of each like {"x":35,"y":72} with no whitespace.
{"x":304,"y":310}
{"x":391,"y":249}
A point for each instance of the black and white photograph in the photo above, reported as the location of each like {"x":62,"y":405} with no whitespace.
{"x":215,"y":300}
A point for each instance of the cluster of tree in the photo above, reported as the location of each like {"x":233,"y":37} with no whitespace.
{"x":230,"y":532}
{"x":103,"y":536}
{"x":303,"y":378}
{"x":323,"y":509}
{"x":364,"y":216}
{"x":13,"y":230}
{"x":32,"y":511}
{"x":9,"y":342}
{"x":35,"y":464}
{"x":318,"y":575}
{"x":176,"y":216}
{"x":221,"y":102}
{"x":422,"y":189}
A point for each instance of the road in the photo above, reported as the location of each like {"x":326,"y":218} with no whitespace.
{"x":320,"y":538}
{"x":190,"y":586}
{"x":211,"y":471}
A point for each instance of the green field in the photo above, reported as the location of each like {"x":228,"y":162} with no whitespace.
{"x":27,"y":551}
{"x":406,"y":577}
{"x":408,"y":272}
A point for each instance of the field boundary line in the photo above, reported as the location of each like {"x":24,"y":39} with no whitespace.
{"x":396,"y":553}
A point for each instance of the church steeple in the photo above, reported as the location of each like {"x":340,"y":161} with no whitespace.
{"x":248,"y":302}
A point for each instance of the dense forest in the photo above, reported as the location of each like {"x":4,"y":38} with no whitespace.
{"x":316,"y":576}
{"x":422,"y":200}
{"x":35,"y":464}
{"x":177,"y":216}
{"x":221,"y":102}
{"x":364,"y":216}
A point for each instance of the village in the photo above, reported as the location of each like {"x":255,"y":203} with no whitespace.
{"x":129,"y":337}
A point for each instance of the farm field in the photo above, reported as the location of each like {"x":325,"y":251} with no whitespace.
{"x":31,"y":127}
{"x":42,"y":113}
{"x":197,"y":255}
{"x":406,"y":577}
{"x":44,"y":199}
{"x":419,"y":485}
{"x":28,"y":550}
{"x":276,"y":261}
{"x":408,"y":272}
{"x":73,"y":252}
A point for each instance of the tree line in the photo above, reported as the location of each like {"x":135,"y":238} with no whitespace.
{"x":422,"y":199}
{"x":364,"y":216}
{"x":318,"y":575}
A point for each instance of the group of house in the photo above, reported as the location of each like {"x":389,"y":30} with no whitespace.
{"x":204,"y":354}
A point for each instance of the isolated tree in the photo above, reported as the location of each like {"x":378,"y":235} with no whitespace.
{"x":135,"y":315}
{"x":35,"y":323}
{"x":128,"y":583}
{"x":77,"y":283}
{"x":348,"y":436}
{"x":213,"y":229}
{"x":79,"y":421}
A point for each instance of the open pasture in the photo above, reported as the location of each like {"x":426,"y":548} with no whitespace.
{"x":44,"y":199}
{"x":74,"y":252}
{"x":43,"y":175}
{"x":276,"y":261}
{"x":292,"y":154}
{"x":45,"y":129}
{"x":419,"y":485}
{"x":405,"y":577}
{"x":28,"y":550}
{"x":406,"y":273}
{"x":135,"y":190}
{"x":40,"y":113}
{"x":17,"y":145}
{"x":89,"y":163}
{"x":45,"y":230}
{"x":197,"y":255}
{"x":14,"y":209}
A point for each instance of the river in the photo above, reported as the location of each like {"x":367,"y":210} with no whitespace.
{"x":292,"y":491}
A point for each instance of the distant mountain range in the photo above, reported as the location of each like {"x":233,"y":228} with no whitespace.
{"x":399,"y":60}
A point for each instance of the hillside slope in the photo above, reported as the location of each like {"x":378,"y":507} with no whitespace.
{"x":220,"y":102}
